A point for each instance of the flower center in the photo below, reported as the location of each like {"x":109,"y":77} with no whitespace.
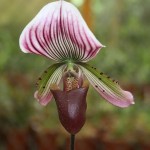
{"x":72,"y":78}
{"x":70,"y":83}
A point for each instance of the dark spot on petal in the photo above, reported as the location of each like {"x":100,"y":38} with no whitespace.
{"x":43,"y":87}
{"x":103,"y":91}
{"x":95,"y":68}
{"x":40,"y":78}
{"x":96,"y":86}
{"x":108,"y":77}
{"x":114,"y":80}
{"x":100,"y":79}
{"x":45,"y":71}
{"x":101,"y":73}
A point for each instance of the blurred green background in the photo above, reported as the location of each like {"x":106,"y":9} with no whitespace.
{"x":123,"y":26}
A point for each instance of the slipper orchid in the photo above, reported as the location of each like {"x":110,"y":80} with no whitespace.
{"x":60,"y":33}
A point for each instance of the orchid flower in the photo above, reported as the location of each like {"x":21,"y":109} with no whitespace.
{"x":60,"y":33}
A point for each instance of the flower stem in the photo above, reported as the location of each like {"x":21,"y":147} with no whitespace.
{"x":72,"y":141}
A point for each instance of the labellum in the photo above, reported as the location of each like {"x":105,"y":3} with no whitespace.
{"x":71,"y":101}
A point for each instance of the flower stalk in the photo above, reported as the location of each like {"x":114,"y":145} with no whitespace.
{"x":72,"y":142}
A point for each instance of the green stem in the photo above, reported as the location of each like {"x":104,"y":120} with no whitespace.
{"x":72,"y":141}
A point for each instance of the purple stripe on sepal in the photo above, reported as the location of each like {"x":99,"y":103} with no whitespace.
{"x":59,"y":32}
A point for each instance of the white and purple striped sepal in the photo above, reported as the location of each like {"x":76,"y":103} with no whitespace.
{"x":60,"y":33}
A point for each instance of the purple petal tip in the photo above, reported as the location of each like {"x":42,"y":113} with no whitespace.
{"x":44,"y":100}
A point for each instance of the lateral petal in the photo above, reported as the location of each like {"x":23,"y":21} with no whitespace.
{"x":106,"y":87}
{"x":51,"y":76}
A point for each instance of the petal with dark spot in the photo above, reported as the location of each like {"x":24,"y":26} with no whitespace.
{"x":107,"y":88}
{"x":51,"y":76}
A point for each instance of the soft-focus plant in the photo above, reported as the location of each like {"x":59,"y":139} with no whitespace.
{"x":59,"y":32}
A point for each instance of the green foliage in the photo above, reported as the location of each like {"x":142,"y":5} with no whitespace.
{"x":123,"y":26}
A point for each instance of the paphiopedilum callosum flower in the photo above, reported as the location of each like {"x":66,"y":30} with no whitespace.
{"x":60,"y":33}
